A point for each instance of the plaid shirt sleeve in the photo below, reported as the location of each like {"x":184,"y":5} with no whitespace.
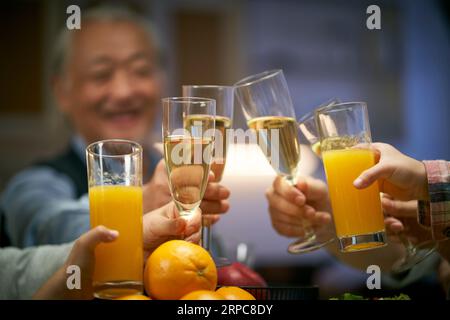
{"x":424,"y":213}
{"x":436,"y":212}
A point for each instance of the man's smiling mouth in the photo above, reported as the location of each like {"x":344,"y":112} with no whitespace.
{"x":123,"y":117}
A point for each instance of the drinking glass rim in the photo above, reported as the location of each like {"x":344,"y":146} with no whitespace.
{"x":137,"y":146}
{"x":312,"y":113}
{"x":339,"y":107}
{"x":247,"y":81}
{"x":187,"y":99}
{"x":306,"y":116}
{"x":206,"y":86}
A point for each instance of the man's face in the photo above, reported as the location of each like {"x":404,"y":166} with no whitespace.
{"x":111,"y":87}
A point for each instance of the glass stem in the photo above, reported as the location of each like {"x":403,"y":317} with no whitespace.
{"x":410,"y":248}
{"x":291,"y":180}
{"x":206,"y":234}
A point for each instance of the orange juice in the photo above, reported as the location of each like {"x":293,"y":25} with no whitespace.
{"x":118,"y":208}
{"x":355,"y":212}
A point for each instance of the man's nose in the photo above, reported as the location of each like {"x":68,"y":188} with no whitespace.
{"x":121,"y":87}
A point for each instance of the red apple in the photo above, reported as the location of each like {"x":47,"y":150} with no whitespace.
{"x":238,"y":274}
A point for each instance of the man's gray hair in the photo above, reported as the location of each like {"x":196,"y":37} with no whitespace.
{"x":64,"y":40}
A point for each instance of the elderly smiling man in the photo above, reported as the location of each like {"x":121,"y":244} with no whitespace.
{"x":107,"y":81}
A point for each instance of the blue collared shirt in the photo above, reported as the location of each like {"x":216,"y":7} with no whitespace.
{"x":41,"y":206}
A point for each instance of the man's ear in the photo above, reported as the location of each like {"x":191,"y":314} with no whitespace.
{"x":61,"y":93}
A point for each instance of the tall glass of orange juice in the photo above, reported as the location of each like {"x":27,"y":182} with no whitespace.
{"x":115,"y":200}
{"x":345,"y":145}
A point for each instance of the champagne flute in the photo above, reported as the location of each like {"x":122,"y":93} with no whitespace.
{"x":414,"y":253}
{"x":188,"y":148}
{"x":224,"y":97}
{"x":267,"y":105}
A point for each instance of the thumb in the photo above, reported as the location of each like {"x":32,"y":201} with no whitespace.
{"x":194,"y":223}
{"x":93,"y":237}
{"x":371,"y":175}
{"x":168,"y":222}
{"x":169,"y":227}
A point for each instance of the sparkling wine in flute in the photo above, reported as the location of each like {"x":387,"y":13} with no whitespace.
{"x":287,"y":142}
{"x":220,"y":147}
{"x":220,"y":141}
{"x":188,"y":163}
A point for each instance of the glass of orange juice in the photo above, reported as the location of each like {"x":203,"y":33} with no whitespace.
{"x":345,"y":146}
{"x":115,"y":200}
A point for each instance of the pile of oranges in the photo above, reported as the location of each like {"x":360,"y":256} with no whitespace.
{"x":179,"y":269}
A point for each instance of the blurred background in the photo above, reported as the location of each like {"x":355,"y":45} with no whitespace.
{"x":326,"y":51}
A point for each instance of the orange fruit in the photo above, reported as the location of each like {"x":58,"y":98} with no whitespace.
{"x":178,"y":267}
{"x":134,"y":297}
{"x":202,"y":295}
{"x":235,"y":293}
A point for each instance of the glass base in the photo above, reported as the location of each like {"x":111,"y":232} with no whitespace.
{"x":307,"y":244}
{"x":362,"y":242}
{"x":417,"y":255}
{"x":115,"y":289}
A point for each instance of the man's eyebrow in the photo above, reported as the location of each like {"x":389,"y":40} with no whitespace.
{"x":139,"y":55}
{"x":105,"y":60}
{"x":100,"y":60}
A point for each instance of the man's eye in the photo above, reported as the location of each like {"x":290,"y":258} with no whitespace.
{"x":101,"y":76}
{"x":143,"y":71}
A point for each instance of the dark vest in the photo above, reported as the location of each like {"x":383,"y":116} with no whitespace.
{"x":68,"y":163}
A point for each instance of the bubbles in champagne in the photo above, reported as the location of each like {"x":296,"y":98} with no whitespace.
{"x":187,"y":178}
{"x":278,"y":138}
{"x":222,"y":124}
